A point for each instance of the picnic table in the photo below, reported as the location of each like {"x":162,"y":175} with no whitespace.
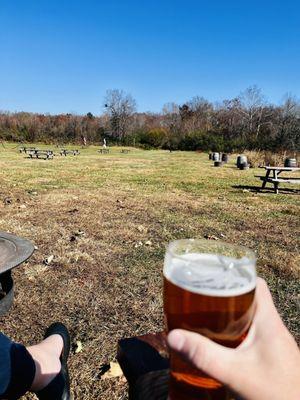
{"x":65,"y":152}
{"x":272,"y":176}
{"x":43,"y":154}
{"x":25,"y":149}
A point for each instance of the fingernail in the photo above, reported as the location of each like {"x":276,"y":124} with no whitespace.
{"x":176,"y":340}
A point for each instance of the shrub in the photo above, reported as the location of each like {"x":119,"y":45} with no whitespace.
{"x":261,"y":158}
{"x":153,"y":138}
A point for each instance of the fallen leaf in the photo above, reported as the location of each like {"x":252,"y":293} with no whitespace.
{"x":79,"y":347}
{"x":48,"y":260}
{"x":138,"y":244}
{"x":148,"y":243}
{"x":79,"y":233}
{"x":113,"y":372}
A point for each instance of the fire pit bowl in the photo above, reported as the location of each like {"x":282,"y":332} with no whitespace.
{"x":13,"y":252}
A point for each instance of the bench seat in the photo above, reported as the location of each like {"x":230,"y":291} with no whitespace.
{"x":41,"y":154}
{"x":281,"y":179}
{"x":276,"y":181}
{"x":73,"y":152}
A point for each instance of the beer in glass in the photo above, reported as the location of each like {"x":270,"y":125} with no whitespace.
{"x":209,"y":288}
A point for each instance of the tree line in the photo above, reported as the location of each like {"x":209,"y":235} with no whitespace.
{"x":245,"y":122}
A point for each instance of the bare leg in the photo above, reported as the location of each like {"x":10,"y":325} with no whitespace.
{"x":46,"y":356}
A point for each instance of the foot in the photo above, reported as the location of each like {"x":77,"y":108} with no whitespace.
{"x":46,"y":356}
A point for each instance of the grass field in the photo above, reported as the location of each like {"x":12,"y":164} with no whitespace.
{"x":106,"y":219}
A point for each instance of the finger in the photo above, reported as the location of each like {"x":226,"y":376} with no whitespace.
{"x":266,"y":313}
{"x":210,"y":357}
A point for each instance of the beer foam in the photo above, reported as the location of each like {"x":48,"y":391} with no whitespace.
{"x":210,"y":274}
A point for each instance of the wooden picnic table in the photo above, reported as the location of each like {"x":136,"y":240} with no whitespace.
{"x":25,"y":149}
{"x":65,"y":152}
{"x":272,"y":176}
{"x":44,"y":154}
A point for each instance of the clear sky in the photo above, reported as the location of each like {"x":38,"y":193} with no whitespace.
{"x":60,"y":56}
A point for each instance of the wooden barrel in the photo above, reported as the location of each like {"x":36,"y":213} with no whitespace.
{"x":225,"y":157}
{"x":290,"y":162}
{"x":216,"y":156}
{"x":241,"y":159}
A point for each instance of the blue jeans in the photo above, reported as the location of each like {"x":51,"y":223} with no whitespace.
{"x":17,"y":369}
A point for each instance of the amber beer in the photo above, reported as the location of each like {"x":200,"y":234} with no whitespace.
{"x":209,"y":289}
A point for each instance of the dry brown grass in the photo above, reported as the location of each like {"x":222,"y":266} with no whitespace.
{"x":261,"y":158}
{"x":107,"y":283}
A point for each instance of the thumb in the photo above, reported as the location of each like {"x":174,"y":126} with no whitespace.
{"x":212,"y":358}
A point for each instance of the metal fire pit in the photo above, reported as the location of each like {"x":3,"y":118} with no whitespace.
{"x":13,"y":251}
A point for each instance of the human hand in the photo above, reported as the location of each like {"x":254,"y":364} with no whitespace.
{"x":266,"y":366}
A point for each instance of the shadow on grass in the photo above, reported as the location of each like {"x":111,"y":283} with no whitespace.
{"x":258,"y":189}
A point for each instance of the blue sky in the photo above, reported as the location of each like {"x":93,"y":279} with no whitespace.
{"x":62,"y":56}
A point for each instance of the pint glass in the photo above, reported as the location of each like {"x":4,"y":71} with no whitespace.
{"x":209,"y":288}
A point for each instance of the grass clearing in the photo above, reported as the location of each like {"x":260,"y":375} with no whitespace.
{"x":107,"y":283}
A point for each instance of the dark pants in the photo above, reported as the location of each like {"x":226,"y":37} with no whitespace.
{"x":17,"y":369}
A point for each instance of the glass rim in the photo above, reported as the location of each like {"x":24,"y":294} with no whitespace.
{"x":171,"y":247}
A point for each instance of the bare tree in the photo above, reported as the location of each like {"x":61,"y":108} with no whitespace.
{"x":120,"y":107}
{"x":227,"y":118}
{"x":202,"y":111}
{"x":171,"y":121}
{"x":171,"y":116}
{"x":252,"y":103}
{"x":289,"y":132}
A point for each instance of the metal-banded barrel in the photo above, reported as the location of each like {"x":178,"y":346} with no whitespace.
{"x":244,"y":165}
{"x":225,"y":157}
{"x":241,"y":160}
{"x":290,"y":162}
{"x":216,"y":156}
